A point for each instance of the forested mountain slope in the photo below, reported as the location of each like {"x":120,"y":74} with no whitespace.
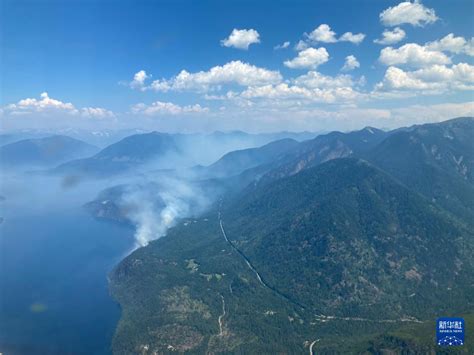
{"x":436,"y":160}
{"x":341,"y":247}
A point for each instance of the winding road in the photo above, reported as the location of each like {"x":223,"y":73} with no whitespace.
{"x":221,"y":318}
{"x":254,"y":270}
{"x":312,"y":345}
{"x":273,"y":290}
{"x":243,"y":256}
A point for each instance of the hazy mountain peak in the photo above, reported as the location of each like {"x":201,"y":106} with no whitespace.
{"x":44,"y":152}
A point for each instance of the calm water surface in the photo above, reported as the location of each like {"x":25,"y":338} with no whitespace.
{"x":53,"y":281}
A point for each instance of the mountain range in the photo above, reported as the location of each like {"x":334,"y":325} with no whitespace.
{"x":235,"y":162}
{"x":130,"y":152}
{"x":155,"y":150}
{"x":366,"y":234}
{"x":44,"y":152}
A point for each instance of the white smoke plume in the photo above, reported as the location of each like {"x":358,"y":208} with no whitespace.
{"x":155,"y":207}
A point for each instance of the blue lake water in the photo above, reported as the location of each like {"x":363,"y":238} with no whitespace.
{"x":54,"y":297}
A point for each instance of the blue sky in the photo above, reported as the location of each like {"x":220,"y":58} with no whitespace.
{"x":72,"y":64}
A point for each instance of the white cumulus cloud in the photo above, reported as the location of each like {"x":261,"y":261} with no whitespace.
{"x":285,"y":91}
{"x":324,"y":33}
{"x":350,"y":63}
{"x":355,"y":38}
{"x":52,"y":107}
{"x":241,"y":39}
{"x":139,"y":79}
{"x":310,"y":87}
{"x":435,"y":78}
{"x":398,"y":79}
{"x":391,"y":37}
{"x":314,"y":79}
{"x":44,"y":104}
{"x":308,"y":58}
{"x":453,"y":44}
{"x":413,"y":13}
{"x":232,"y":73}
{"x":412,"y":54}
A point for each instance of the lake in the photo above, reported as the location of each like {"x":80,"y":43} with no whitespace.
{"x":54,"y":296}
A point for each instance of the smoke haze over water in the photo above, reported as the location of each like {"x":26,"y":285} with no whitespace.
{"x":155,"y":194}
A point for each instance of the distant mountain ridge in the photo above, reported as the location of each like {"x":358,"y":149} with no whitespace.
{"x":126,"y":154}
{"x":138,"y":148}
{"x":182,"y":149}
{"x":307,"y":154}
{"x":436,"y":160}
{"x":44,"y":152}
{"x":327,"y":147}
{"x":237,"y":161}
